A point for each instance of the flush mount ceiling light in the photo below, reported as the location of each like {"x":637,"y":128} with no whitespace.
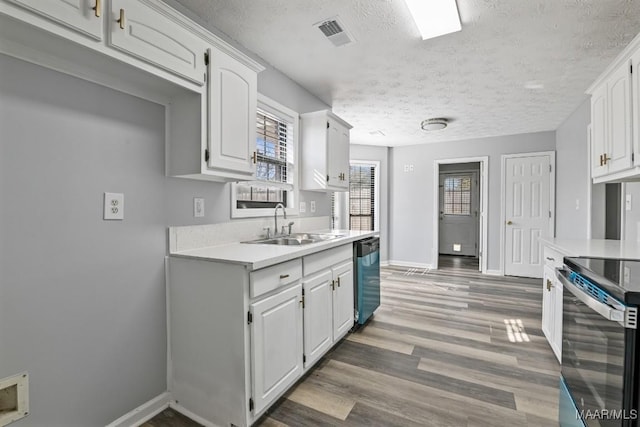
{"x":435,"y":17}
{"x":430,"y":125}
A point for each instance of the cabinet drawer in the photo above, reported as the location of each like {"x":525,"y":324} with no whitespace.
{"x":325,"y":259}
{"x":270,"y":278}
{"x":552,"y":258}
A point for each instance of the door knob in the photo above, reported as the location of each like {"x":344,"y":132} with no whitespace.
{"x":509,"y":223}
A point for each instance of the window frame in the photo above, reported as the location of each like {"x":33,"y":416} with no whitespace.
{"x":376,"y":190}
{"x":280,"y":111}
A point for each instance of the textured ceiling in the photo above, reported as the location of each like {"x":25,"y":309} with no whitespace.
{"x":390,"y":79}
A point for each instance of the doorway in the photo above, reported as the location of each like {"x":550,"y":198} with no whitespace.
{"x":460,"y":206}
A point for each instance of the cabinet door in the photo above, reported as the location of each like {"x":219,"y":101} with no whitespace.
{"x":337,"y":155}
{"x":598,"y":131}
{"x":548,"y":308}
{"x":619,"y":120}
{"x":557,"y":320}
{"x":318,"y":328}
{"x":232,"y":97}
{"x":149,"y":35}
{"x":342,"y":299}
{"x":635,"y":98}
{"x":79,"y":15}
{"x":276,"y":345}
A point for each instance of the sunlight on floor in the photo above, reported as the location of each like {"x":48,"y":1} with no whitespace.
{"x":515,"y":330}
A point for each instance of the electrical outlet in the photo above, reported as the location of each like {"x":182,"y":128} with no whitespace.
{"x":114,"y":206}
{"x":198,"y":207}
{"x":577,"y":204}
{"x":312,"y":206}
{"x":303,"y":207}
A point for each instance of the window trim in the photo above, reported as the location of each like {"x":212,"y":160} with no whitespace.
{"x":376,"y":190}
{"x":273,"y":107}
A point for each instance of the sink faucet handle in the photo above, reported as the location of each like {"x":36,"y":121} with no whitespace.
{"x":290,"y":225}
{"x":268,"y":230}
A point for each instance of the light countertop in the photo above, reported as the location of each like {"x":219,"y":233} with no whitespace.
{"x":595,"y":248}
{"x":256,"y":256}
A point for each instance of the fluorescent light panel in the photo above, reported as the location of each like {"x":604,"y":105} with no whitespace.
{"x":435,"y":17}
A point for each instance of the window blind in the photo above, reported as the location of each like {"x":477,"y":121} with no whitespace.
{"x":361,"y":197}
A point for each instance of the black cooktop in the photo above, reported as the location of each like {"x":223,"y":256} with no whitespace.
{"x":621,"y":278}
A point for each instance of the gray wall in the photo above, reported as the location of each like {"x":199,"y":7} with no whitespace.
{"x":381,"y":154}
{"x":411,"y":193}
{"x":632,"y":217}
{"x":82,"y":304}
{"x":572,"y":175}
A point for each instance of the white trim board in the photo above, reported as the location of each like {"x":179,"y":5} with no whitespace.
{"x":552,"y":197}
{"x":393,"y":263}
{"x":484,"y":206}
{"x":187,"y":413}
{"x":144,"y":412}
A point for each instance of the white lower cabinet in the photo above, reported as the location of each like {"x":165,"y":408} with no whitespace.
{"x":552,"y":302}
{"x":276,"y":344}
{"x":239,"y":339}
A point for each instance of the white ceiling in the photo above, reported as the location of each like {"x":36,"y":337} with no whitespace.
{"x":390,"y":79}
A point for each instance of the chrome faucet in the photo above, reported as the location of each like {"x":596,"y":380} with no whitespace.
{"x":275,"y":217}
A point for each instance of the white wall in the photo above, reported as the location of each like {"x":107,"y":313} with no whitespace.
{"x":411,"y":193}
{"x":572,"y":175}
{"x":380,"y":154}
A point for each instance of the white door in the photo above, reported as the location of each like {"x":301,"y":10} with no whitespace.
{"x":459,"y":214}
{"x":233,"y":101}
{"x":79,"y":15}
{"x":276,"y":344}
{"x":147,"y":34}
{"x":317,"y":316}
{"x":619,"y":119}
{"x":342,"y":300}
{"x":527,"y":213}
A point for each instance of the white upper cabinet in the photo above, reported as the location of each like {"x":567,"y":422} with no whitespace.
{"x":147,"y":34}
{"x":83,"y":16}
{"x":615,"y":119}
{"x":232,"y":102}
{"x":325,"y":152}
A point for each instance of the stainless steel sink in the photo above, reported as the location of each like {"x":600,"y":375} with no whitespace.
{"x":296,"y":239}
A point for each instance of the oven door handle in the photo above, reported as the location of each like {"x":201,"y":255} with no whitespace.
{"x":602,"y":309}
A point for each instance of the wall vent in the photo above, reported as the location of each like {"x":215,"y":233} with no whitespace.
{"x":14,"y":398}
{"x":334,"y":30}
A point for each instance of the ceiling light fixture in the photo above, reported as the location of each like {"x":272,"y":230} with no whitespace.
{"x":435,"y":17}
{"x":430,"y":125}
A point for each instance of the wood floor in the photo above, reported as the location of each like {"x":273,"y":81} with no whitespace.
{"x":447,"y":347}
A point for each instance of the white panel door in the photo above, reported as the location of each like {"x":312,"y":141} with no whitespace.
{"x":79,"y":15}
{"x":598,"y":131}
{"x":317,"y":316}
{"x":276,"y":345}
{"x":619,"y":101}
{"x":343,"y":304}
{"x":149,"y":35}
{"x":232,"y":97}
{"x":459,"y":214}
{"x":527,"y":213}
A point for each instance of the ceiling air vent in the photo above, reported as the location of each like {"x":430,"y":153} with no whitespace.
{"x":335,"y":31}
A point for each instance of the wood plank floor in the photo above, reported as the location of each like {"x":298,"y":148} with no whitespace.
{"x":448,"y":347}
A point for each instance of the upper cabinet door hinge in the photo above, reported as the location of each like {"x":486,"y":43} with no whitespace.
{"x":249,"y":318}
{"x":251,"y":404}
{"x":206,"y":155}
{"x":549,"y":168}
{"x":327,"y":125}
{"x":304,"y":358}
{"x":631,"y":68}
{"x":206,"y":58}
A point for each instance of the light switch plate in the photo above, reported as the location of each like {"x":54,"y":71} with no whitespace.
{"x":312,"y":206}
{"x":198,"y":207}
{"x":114,"y":206}
{"x":303,"y":207}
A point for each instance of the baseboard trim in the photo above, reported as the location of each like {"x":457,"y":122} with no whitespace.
{"x":179,"y":408}
{"x":493,"y":273}
{"x":410,"y":264}
{"x":384,"y":264}
{"x":144,"y":412}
